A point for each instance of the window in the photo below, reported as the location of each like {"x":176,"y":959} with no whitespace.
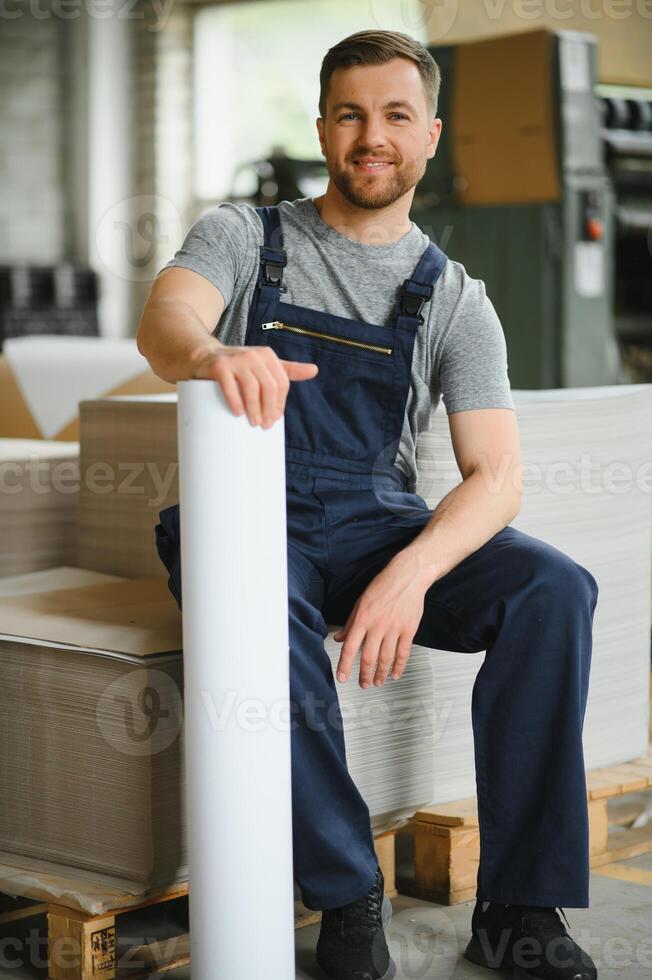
{"x":256,"y":79}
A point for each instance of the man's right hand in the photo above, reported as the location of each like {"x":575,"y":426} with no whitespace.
{"x":253,"y":379}
{"x":175,"y":334}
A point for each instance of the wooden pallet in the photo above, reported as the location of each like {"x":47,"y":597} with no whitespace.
{"x":445,"y":838}
{"x":82,"y":946}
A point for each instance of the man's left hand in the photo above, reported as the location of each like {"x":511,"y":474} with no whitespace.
{"x":386,"y":617}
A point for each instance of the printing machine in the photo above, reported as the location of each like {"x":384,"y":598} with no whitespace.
{"x":570,"y":278}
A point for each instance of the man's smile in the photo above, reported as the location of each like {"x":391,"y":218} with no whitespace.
{"x":371,"y":166}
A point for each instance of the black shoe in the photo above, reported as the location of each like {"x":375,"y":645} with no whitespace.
{"x":529,"y":940}
{"x":352,"y":944}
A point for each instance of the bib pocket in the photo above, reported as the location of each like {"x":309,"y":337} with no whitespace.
{"x":345,"y":410}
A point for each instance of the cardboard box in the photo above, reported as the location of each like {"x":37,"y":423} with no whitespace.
{"x":24,"y":399}
{"x":503,"y":120}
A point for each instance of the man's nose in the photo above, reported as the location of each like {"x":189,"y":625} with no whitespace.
{"x":372,"y":132}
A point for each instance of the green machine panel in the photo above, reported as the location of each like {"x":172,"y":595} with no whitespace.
{"x":522,"y":283}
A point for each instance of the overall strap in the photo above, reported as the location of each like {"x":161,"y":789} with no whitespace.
{"x":272,"y":254}
{"x":416,"y":291}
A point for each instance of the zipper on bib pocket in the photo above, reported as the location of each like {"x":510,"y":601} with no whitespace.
{"x":279,"y":325}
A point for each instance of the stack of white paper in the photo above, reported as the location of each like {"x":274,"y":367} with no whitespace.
{"x":390,"y":734}
{"x":587,"y":455}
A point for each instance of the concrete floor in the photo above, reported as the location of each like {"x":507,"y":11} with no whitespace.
{"x":427,"y":941}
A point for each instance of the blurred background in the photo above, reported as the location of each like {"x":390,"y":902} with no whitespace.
{"x":122,"y":122}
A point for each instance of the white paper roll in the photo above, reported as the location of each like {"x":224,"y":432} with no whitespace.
{"x":236,"y":670}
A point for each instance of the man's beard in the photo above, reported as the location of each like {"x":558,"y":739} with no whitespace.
{"x":374,"y":194}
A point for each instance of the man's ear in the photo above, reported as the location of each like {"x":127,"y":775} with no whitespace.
{"x":321,"y":132}
{"x":434,"y":134}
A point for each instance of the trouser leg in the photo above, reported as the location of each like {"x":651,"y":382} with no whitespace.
{"x":531,"y":608}
{"x":334,"y":857}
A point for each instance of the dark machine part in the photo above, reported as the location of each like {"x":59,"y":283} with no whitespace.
{"x":278,"y":178}
{"x":60,"y":299}
{"x":548,"y":266}
{"x":627,"y":139}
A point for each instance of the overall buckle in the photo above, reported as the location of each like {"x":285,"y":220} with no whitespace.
{"x":272,"y":273}
{"x":273,"y":262}
{"x":414,"y":296}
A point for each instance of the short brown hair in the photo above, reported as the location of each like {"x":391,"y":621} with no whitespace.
{"x":376,"y":48}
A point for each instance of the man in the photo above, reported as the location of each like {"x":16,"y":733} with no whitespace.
{"x":348,"y":299}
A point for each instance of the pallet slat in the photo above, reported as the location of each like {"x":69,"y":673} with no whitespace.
{"x":38,"y":908}
{"x":163,"y":955}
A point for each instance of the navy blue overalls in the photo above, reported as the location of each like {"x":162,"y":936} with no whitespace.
{"x":527,"y":604}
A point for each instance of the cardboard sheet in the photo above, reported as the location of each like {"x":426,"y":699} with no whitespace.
{"x":51,"y":579}
{"x":137,"y":617}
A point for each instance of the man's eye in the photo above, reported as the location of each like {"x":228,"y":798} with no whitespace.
{"x":351,"y":115}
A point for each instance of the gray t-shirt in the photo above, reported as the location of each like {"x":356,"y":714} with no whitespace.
{"x":459,"y":353}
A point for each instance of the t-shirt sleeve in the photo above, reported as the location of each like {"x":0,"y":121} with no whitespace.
{"x":215,"y":246}
{"x":473,"y":371}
